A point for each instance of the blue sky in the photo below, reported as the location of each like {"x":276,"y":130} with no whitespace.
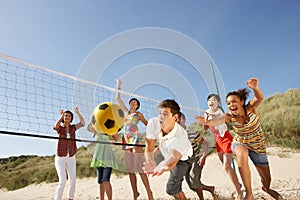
{"x":243,"y":38}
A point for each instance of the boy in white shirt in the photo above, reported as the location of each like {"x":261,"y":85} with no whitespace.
{"x":173,"y":144}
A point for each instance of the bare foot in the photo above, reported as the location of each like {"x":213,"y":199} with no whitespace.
{"x":213,"y":192}
{"x":135,"y":196}
{"x":273,"y":193}
{"x":180,"y":196}
{"x":211,"y":189}
{"x":239,"y":197}
{"x":249,"y":196}
{"x":150,"y":196}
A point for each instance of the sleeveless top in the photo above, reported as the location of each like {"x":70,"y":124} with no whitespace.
{"x":130,"y":130}
{"x":250,"y":133}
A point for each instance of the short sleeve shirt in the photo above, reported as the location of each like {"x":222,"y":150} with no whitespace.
{"x":153,"y":128}
{"x":177,"y":139}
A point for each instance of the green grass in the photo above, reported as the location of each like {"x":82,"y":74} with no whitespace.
{"x":19,"y":172}
{"x":280,"y":117}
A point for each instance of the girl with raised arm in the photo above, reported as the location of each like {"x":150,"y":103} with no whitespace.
{"x":66,"y":149}
{"x":132,"y":136}
{"x":249,"y":140}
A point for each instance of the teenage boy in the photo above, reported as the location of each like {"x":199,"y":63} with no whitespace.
{"x":173,"y":144}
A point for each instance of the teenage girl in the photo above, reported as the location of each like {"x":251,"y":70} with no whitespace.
{"x":249,"y":140}
{"x":223,"y":141}
{"x":132,"y":136}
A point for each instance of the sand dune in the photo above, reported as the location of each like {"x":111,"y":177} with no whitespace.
{"x":284,"y":164}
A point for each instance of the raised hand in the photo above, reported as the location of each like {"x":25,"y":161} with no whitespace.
{"x":76,"y":109}
{"x":252,"y":83}
{"x":119,"y":82}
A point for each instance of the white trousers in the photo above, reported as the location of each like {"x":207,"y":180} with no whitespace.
{"x":63,"y":166}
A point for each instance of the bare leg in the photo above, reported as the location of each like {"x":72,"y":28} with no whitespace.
{"x":180,"y":196}
{"x":199,"y":192}
{"x":132,"y":178}
{"x":130,"y":168}
{"x":241,"y":153}
{"x":102,"y":190}
{"x":147,"y":185}
{"x":108,"y":189}
{"x":210,"y":189}
{"x":232,"y":175}
{"x":264,"y":173}
{"x":138,"y":153}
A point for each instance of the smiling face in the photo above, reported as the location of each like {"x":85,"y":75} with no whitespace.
{"x":134,"y":105}
{"x":166,"y":119}
{"x":67,"y":118}
{"x":213,"y":103}
{"x":235,"y":105}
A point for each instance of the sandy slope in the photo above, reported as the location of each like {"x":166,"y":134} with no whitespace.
{"x":285,"y":170}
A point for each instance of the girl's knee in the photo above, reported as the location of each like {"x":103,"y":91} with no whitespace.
{"x":241,"y":153}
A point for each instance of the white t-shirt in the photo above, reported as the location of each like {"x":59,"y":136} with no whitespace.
{"x":177,"y":139}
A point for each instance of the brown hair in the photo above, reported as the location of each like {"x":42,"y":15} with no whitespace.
{"x":172,"y":104}
{"x":242,"y":94}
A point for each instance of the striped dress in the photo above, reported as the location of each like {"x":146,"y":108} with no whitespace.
{"x":250,"y":133}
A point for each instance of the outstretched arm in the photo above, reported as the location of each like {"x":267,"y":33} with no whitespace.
{"x":149,"y":156}
{"x":118,"y":96}
{"x":167,"y":165}
{"x":258,"y":94}
{"x":215,"y":121}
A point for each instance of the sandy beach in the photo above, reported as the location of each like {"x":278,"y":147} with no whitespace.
{"x":284,"y":164}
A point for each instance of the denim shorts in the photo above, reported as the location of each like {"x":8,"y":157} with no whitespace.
{"x":256,"y":158}
{"x":103,"y":174}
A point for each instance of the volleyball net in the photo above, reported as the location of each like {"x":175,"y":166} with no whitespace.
{"x":31,"y":97}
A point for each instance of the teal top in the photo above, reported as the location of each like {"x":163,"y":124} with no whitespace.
{"x":103,"y":155}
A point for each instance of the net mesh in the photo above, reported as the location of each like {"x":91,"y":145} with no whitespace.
{"x":31,"y":97}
